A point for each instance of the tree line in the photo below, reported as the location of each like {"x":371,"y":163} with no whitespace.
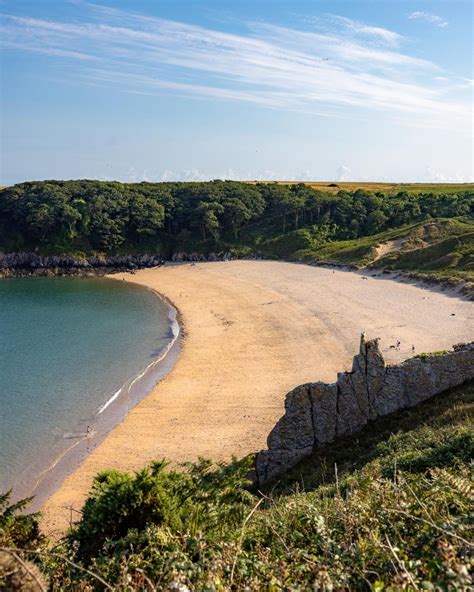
{"x":114,"y":217}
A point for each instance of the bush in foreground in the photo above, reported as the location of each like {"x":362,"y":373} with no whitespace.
{"x":393,"y":515}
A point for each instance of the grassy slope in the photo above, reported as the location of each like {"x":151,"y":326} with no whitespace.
{"x":393,"y":517}
{"x":441,"y":248}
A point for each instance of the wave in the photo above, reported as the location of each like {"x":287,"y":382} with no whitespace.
{"x":129,"y":385}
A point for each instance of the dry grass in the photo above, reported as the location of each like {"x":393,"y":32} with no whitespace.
{"x":388,"y":188}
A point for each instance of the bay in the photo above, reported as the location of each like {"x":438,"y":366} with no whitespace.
{"x":67,"y":345}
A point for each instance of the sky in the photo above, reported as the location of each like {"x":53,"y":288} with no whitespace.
{"x":162,"y":90}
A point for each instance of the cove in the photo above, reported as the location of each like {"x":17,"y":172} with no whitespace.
{"x":75,"y":355}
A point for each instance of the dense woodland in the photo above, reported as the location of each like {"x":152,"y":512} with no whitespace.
{"x":110,"y":217}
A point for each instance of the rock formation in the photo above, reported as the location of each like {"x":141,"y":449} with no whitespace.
{"x":28,"y":264}
{"x":32,"y":264}
{"x":318,"y":413}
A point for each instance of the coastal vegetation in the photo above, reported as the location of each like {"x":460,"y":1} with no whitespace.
{"x":386,"y":509}
{"x":309,"y":222}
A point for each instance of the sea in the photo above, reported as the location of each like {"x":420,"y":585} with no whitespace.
{"x":75,"y":355}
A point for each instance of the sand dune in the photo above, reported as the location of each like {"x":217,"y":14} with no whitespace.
{"x":253,"y":331}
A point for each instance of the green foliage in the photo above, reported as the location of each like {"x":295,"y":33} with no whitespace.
{"x":441,"y":248}
{"x":290,"y":221}
{"x":290,"y":242}
{"x":278,"y":220}
{"x":204,"y":497}
{"x":17,"y":528}
{"x":368,"y":533}
{"x":425,"y":355}
{"x":457,"y":251}
{"x":395,"y":516}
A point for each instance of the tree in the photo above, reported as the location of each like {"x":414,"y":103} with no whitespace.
{"x":241,"y":203}
{"x":208,"y":218}
{"x":146,"y":216}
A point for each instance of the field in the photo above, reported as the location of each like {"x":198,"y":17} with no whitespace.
{"x":387,"y":188}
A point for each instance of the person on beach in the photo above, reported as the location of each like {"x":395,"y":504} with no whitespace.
{"x":88,"y":431}
{"x":398,"y":344}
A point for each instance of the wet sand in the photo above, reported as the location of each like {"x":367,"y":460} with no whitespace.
{"x":253,"y":330}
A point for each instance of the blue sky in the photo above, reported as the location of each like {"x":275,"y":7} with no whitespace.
{"x":191,"y":90}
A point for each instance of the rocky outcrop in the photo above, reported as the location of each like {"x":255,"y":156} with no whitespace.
{"x":181,"y":256}
{"x":31,"y":264}
{"x":28,"y":264}
{"x":318,"y":413}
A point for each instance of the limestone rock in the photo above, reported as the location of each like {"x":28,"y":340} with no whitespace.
{"x":295,"y":429}
{"x":324,"y":411}
{"x":318,"y":413}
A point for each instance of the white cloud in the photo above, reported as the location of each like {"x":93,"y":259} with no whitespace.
{"x":343,"y":173}
{"x":428,"y":17}
{"x":277,"y":67}
{"x":384,"y":35}
{"x":433,"y":175}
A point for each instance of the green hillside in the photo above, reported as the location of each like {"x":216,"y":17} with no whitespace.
{"x":387,"y":509}
{"x":439,"y":248}
{"x":347,"y":225}
{"x":445,"y":246}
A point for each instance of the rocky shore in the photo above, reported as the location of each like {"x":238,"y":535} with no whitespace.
{"x":29,"y":264}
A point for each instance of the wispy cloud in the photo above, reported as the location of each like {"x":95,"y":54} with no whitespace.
{"x":327,"y":73}
{"x":378,"y":33}
{"x":428,"y":17}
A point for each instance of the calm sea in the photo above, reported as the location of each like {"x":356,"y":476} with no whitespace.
{"x":67,"y":345}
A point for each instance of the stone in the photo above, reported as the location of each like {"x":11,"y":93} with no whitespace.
{"x":324,"y":411}
{"x":295,"y":429}
{"x":318,"y":413}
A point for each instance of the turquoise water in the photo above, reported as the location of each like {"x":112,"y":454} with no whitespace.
{"x":66,"y":346}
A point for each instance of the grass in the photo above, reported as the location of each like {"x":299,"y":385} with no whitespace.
{"x":393,"y":516}
{"x":388,"y":188}
{"x":440,"y":249}
{"x":358,"y":252}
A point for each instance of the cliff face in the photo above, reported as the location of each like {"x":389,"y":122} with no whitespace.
{"x":318,"y":413}
{"x":28,"y":264}
{"x":31,"y":264}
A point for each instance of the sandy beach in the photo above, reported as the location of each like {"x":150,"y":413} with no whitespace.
{"x":253,"y":330}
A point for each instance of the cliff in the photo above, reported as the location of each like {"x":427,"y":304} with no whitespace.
{"x":318,"y":413}
{"x":28,"y":264}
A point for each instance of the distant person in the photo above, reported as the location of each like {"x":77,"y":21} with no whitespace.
{"x":88,"y":431}
{"x":412,"y":349}
{"x":398,"y":344}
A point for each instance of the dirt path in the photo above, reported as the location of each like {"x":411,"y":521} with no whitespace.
{"x":388,"y":247}
{"x":254,"y":330}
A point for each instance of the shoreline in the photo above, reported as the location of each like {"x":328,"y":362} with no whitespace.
{"x":254,"y":330}
{"x":462,"y":288}
{"x":64,"y":460}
